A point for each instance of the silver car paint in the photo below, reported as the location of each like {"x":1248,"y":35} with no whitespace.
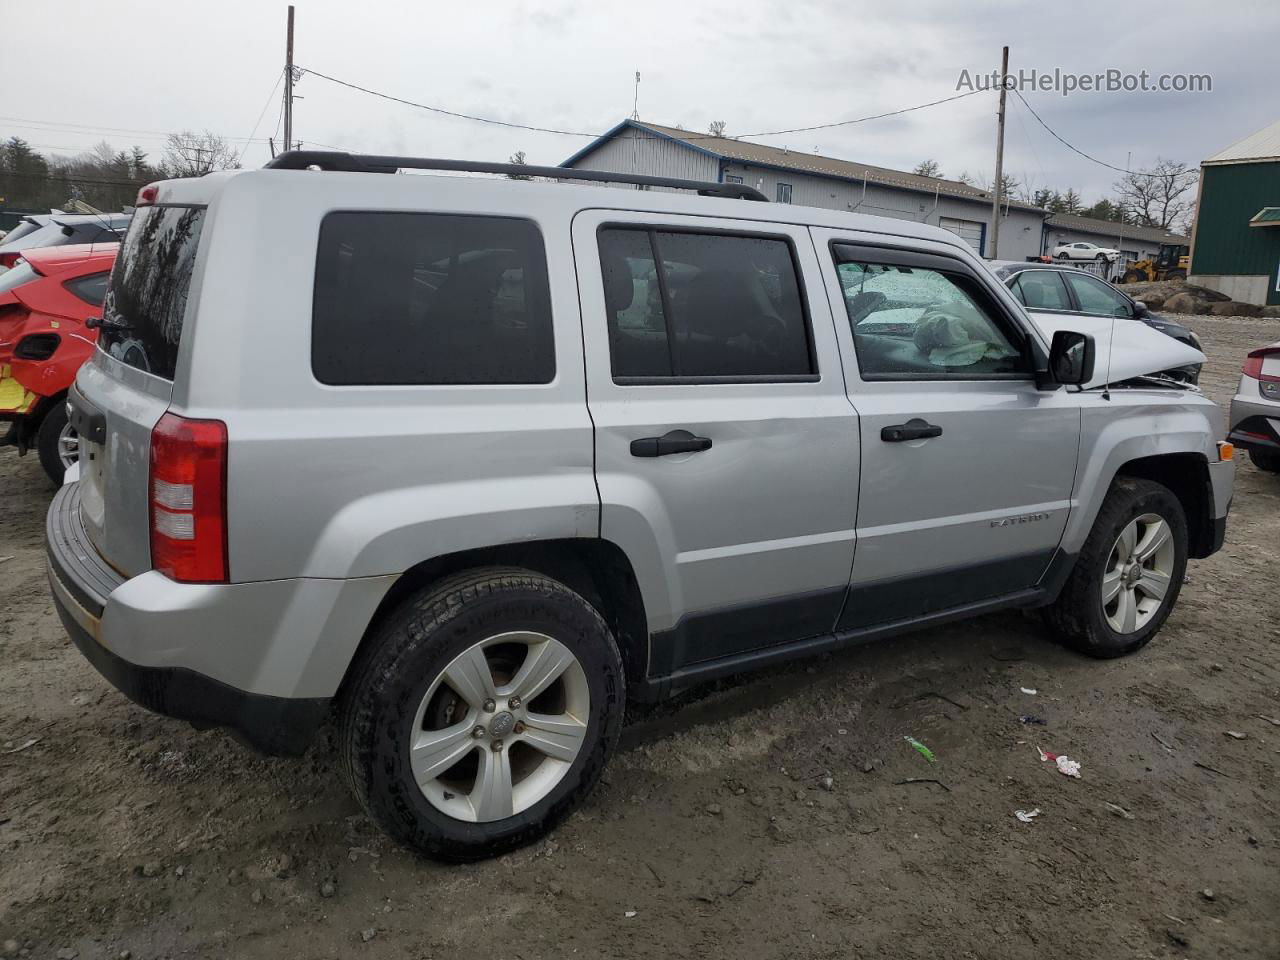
{"x":335,"y":491}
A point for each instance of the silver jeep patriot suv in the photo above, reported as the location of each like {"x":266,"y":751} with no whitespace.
{"x":470,"y":461}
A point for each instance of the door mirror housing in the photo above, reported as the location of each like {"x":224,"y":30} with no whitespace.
{"x":1071,"y":357}
{"x":1140,"y":310}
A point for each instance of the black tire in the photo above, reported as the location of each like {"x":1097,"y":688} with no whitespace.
{"x":1076,"y":617}
{"x":1267,"y":460}
{"x":1064,"y":256}
{"x":47,"y":442}
{"x":1100,"y":257}
{"x":412,"y":647}
{"x":1134,"y":276}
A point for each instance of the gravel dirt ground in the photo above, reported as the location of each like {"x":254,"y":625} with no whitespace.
{"x":765,"y":817}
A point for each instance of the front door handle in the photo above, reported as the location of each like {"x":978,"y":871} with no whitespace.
{"x":675,"y":441}
{"x":913,"y":429}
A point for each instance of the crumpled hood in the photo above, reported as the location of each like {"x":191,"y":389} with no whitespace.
{"x":1137,"y":350}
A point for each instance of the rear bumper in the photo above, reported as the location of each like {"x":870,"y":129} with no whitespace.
{"x":84,"y":589}
{"x":1255,"y":423}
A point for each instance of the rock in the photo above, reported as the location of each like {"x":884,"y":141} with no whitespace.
{"x":233,"y":875}
{"x":67,"y":953}
{"x":1153,"y":300}
{"x":757,"y":801}
{"x":868,"y":767}
{"x":256,"y":896}
{"x":1272,"y":312}
{"x":1234,"y":308}
{"x":151,"y":868}
{"x":781,"y":831}
{"x":1236,"y":734}
{"x":278,"y":867}
{"x":124,"y":955}
{"x":1185,"y":303}
{"x":554,"y":888}
{"x":828,"y":783}
{"x":11,"y":948}
{"x":327,"y":889}
{"x":179,"y":871}
{"x":368,"y":934}
{"x":1207,"y":893}
{"x":714,"y":809}
{"x":867,"y":829}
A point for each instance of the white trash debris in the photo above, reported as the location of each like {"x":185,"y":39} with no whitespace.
{"x":629,"y":914}
{"x":1029,"y":691}
{"x":1026,"y":816}
{"x":1065,"y":764}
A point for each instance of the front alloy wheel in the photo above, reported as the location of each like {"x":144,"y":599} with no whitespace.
{"x":1138,"y":573}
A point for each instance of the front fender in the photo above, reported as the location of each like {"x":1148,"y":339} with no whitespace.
{"x":1133,"y":425}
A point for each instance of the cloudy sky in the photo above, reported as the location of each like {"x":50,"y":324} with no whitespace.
{"x":129,"y":71}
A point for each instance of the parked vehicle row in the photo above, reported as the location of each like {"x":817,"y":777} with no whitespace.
{"x":508,"y":453}
{"x":55,"y":230}
{"x":46,"y":302}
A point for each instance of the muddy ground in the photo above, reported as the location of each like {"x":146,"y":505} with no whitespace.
{"x":716,"y":832}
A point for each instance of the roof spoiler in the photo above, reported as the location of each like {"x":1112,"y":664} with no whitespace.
{"x":368,"y":163}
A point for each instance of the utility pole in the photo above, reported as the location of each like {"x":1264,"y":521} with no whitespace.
{"x":288,"y":84}
{"x":999,"y":188}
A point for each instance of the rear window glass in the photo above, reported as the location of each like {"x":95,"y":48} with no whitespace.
{"x":146,"y":299}
{"x":422,"y":298}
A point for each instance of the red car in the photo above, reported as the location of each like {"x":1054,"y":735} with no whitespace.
{"x":44,"y":303}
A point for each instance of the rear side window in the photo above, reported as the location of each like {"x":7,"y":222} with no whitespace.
{"x":703,"y":305}
{"x":91,"y":289}
{"x":424,"y":298}
{"x":146,"y":300}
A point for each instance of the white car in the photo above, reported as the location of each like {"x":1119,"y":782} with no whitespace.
{"x":1084,"y":251}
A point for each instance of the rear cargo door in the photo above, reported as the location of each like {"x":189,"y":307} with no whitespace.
{"x":124,"y":390}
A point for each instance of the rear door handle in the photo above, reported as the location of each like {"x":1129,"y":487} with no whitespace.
{"x":913,"y":429}
{"x":675,"y":441}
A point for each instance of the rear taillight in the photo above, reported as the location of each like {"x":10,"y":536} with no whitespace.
{"x":147,"y":196}
{"x":1253,"y":364}
{"x":189,"y":499}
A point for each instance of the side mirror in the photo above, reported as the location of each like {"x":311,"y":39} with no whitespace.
{"x":1071,"y":357}
{"x":1140,"y":309}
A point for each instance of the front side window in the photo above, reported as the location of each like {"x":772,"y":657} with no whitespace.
{"x":784,"y":193}
{"x":424,"y":298}
{"x":1041,"y":290}
{"x":1097,"y":297}
{"x":702,"y":305}
{"x":913,"y":322}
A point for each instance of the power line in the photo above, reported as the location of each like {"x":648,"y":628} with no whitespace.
{"x":1074,"y":149}
{"x":263,"y":112}
{"x":92,"y":131}
{"x":579,"y":133}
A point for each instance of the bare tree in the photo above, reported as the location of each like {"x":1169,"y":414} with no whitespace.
{"x":518,"y":160}
{"x":928,"y":168}
{"x":716,"y":128}
{"x":190,"y":154}
{"x":1158,"y":196}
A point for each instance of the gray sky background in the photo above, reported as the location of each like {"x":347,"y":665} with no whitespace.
{"x":139,"y":68}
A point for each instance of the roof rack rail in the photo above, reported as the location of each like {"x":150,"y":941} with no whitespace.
{"x":366,"y":163}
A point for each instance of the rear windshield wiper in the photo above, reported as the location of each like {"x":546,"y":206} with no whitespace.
{"x":94,"y":323}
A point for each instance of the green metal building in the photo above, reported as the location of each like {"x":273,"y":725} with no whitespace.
{"x":1235,"y":247}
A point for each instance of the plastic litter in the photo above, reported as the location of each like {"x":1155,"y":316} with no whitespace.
{"x":921,"y":749}
{"x":1031,"y":718}
{"x":629,"y":914}
{"x":1118,"y":810}
{"x":1065,"y":764}
{"x":1235,"y":734}
{"x":1026,"y":816}
{"x":1029,"y":691}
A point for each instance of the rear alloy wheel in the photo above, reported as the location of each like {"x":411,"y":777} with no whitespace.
{"x":482,"y":713}
{"x":57,"y":443}
{"x":1064,"y":256}
{"x":1128,"y":574}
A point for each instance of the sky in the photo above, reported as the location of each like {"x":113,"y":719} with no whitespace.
{"x":138,"y":69}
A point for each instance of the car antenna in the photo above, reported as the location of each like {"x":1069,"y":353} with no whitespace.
{"x":1111,"y":343}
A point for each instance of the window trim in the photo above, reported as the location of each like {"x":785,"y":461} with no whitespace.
{"x":1090,"y":278}
{"x":458,"y":385}
{"x":675,"y":379}
{"x":1021,"y":339}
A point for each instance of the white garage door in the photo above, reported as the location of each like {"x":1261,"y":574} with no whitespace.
{"x":970,"y":231}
